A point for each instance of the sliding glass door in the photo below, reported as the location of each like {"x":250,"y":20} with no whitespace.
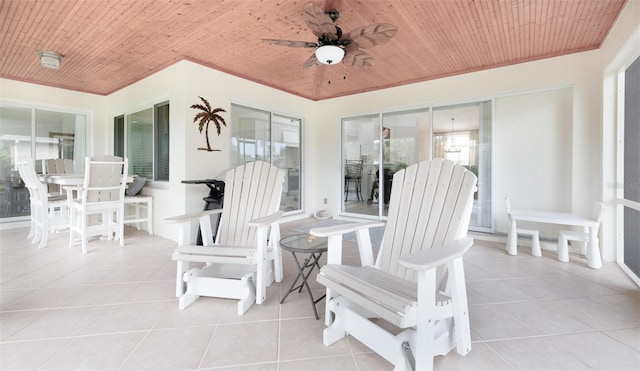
{"x":382,"y":144}
{"x":361,"y":154}
{"x":462,"y":133}
{"x":38,"y":134}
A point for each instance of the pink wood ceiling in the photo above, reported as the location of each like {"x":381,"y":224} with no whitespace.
{"x":109,"y":44}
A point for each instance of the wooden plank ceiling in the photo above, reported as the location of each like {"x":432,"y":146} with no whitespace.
{"x":109,"y":44}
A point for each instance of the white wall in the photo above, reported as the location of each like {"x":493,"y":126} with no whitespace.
{"x":182,"y":84}
{"x":532,"y":151}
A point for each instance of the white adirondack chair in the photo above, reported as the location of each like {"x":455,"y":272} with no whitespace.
{"x":417,"y":283}
{"x":98,"y":209}
{"x":48,"y":214}
{"x":245,"y":258}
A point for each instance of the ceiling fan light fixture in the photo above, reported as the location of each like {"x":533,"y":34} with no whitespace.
{"x":329,"y":54}
{"x":49,"y":59}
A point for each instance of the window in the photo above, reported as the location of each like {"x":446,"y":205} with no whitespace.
{"x":270,"y":137}
{"x":38,"y":134}
{"x":143,"y":137}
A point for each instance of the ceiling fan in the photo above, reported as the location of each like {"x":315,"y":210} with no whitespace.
{"x":333,"y":45}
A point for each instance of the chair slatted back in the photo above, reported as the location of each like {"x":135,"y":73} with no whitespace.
{"x":251,"y":191}
{"x":353,"y":169}
{"x":430,"y":205}
{"x":37,"y":190}
{"x":105,"y":179}
{"x":59,"y":166}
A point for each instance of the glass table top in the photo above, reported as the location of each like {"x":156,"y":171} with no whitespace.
{"x":304,"y":243}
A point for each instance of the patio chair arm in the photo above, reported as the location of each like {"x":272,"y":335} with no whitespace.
{"x":192,"y":216}
{"x":436,"y":256}
{"x":344,"y":228}
{"x":334,"y":235}
{"x":266,"y":220}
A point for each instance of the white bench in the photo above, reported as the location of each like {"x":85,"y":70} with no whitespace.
{"x":140,"y":202}
{"x":590,"y":226}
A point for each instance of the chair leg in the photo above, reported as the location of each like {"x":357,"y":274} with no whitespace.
{"x":460,"y":308}
{"x":346,"y":189}
{"x":44,"y":227}
{"x":150,"y":217}
{"x":182,"y":268}
{"x":336,"y":330}
{"x":120,"y":224}
{"x":32,"y":230}
{"x":189,"y":296}
{"x":261,"y":281}
{"x":247,"y":301}
{"x":72,"y":227}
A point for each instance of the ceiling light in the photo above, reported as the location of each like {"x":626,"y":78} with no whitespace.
{"x":329,"y":54}
{"x":49,"y":59}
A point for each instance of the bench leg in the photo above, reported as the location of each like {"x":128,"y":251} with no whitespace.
{"x":563,"y":249}
{"x":535,"y":245}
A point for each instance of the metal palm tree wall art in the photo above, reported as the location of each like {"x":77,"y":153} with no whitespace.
{"x":206,"y":116}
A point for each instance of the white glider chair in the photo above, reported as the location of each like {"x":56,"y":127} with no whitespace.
{"x":48,"y":214}
{"x":245,"y":258}
{"x":417,"y":283}
{"x":98,"y":209}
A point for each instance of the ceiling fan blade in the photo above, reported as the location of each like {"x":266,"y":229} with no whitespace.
{"x":332,"y":5}
{"x":372,"y":35}
{"x":318,"y":22}
{"x":358,"y":58}
{"x":312,"y":61}
{"x":291,"y":43}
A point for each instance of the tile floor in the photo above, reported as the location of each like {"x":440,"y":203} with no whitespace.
{"x":114,"y":309}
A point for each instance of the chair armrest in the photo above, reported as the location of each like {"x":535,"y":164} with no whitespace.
{"x":266,"y":220}
{"x":437,"y":256}
{"x":334,"y":236}
{"x":343,"y":228}
{"x":72,"y":188}
{"x":187,"y":220}
{"x":192,"y":216}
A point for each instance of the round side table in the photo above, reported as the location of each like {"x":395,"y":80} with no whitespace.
{"x":305,"y":244}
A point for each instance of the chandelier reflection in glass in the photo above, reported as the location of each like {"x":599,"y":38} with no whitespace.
{"x":452,"y":148}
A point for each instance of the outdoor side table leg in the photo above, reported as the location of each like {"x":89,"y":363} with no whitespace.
{"x":291,"y":288}
{"x":309,"y":263}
